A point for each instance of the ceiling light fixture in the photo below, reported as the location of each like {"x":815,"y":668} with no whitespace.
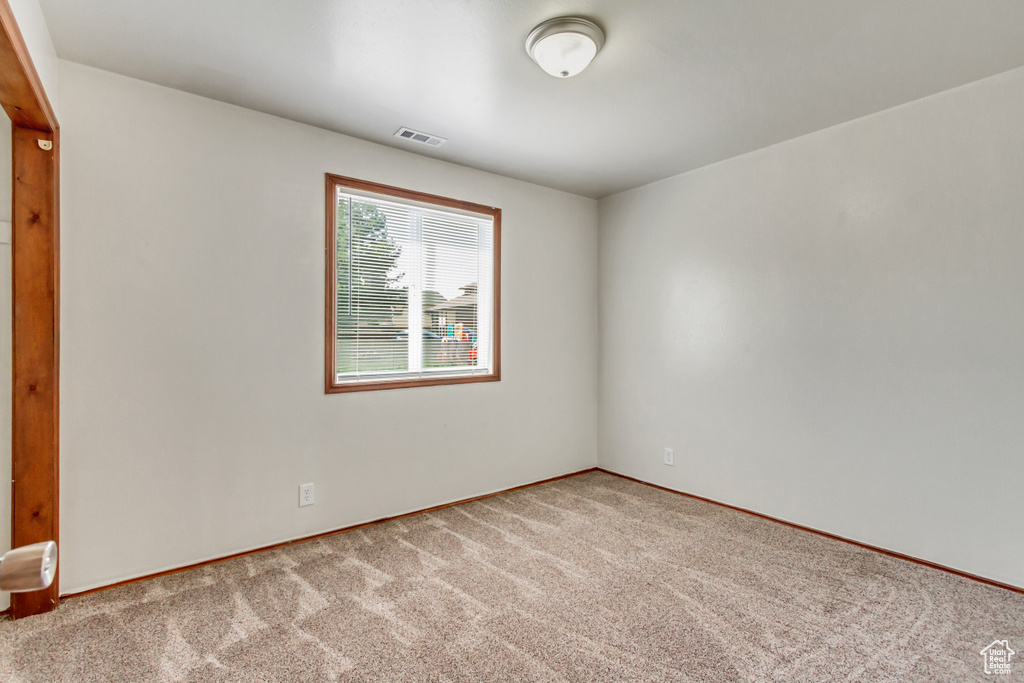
{"x":565,"y":46}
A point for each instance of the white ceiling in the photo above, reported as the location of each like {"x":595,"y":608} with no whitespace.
{"x":679,"y":84}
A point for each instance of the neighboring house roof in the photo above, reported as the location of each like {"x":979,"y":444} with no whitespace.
{"x":467,"y":299}
{"x":458,"y":302}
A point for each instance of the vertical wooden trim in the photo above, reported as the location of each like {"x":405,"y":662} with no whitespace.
{"x":331,"y":298}
{"x":36,"y":334}
{"x":496,"y":314}
{"x":35,"y":252}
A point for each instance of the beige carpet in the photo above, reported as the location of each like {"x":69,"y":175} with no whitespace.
{"x":591,"y":578}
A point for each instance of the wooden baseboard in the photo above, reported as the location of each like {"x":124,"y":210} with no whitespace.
{"x":883,"y":551}
{"x":324,"y":534}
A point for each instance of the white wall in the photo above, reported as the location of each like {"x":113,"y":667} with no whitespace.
{"x":6,"y":168}
{"x":192,"y":401}
{"x":831,"y":330}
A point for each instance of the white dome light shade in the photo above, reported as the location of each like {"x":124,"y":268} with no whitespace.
{"x":563,"y":47}
{"x":564,"y":54}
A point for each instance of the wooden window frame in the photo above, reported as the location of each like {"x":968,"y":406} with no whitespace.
{"x":331,"y":385}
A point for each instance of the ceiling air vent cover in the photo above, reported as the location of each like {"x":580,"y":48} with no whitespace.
{"x":416,"y":136}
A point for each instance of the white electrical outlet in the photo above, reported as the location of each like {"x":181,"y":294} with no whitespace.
{"x":670,"y":457}
{"x":305,"y":495}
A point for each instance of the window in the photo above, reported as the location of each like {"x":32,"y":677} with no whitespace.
{"x":412,"y":288}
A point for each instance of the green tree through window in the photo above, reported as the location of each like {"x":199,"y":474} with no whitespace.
{"x":369,"y":290}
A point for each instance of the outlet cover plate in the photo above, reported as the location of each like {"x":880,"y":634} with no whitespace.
{"x":670,"y":457}
{"x":306,"y":495}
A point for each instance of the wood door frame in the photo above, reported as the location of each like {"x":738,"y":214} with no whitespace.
{"x":35,"y":266}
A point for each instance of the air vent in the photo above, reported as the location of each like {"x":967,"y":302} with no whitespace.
{"x":416,"y":136}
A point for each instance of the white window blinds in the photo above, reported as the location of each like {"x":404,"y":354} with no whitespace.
{"x":414,"y":290}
